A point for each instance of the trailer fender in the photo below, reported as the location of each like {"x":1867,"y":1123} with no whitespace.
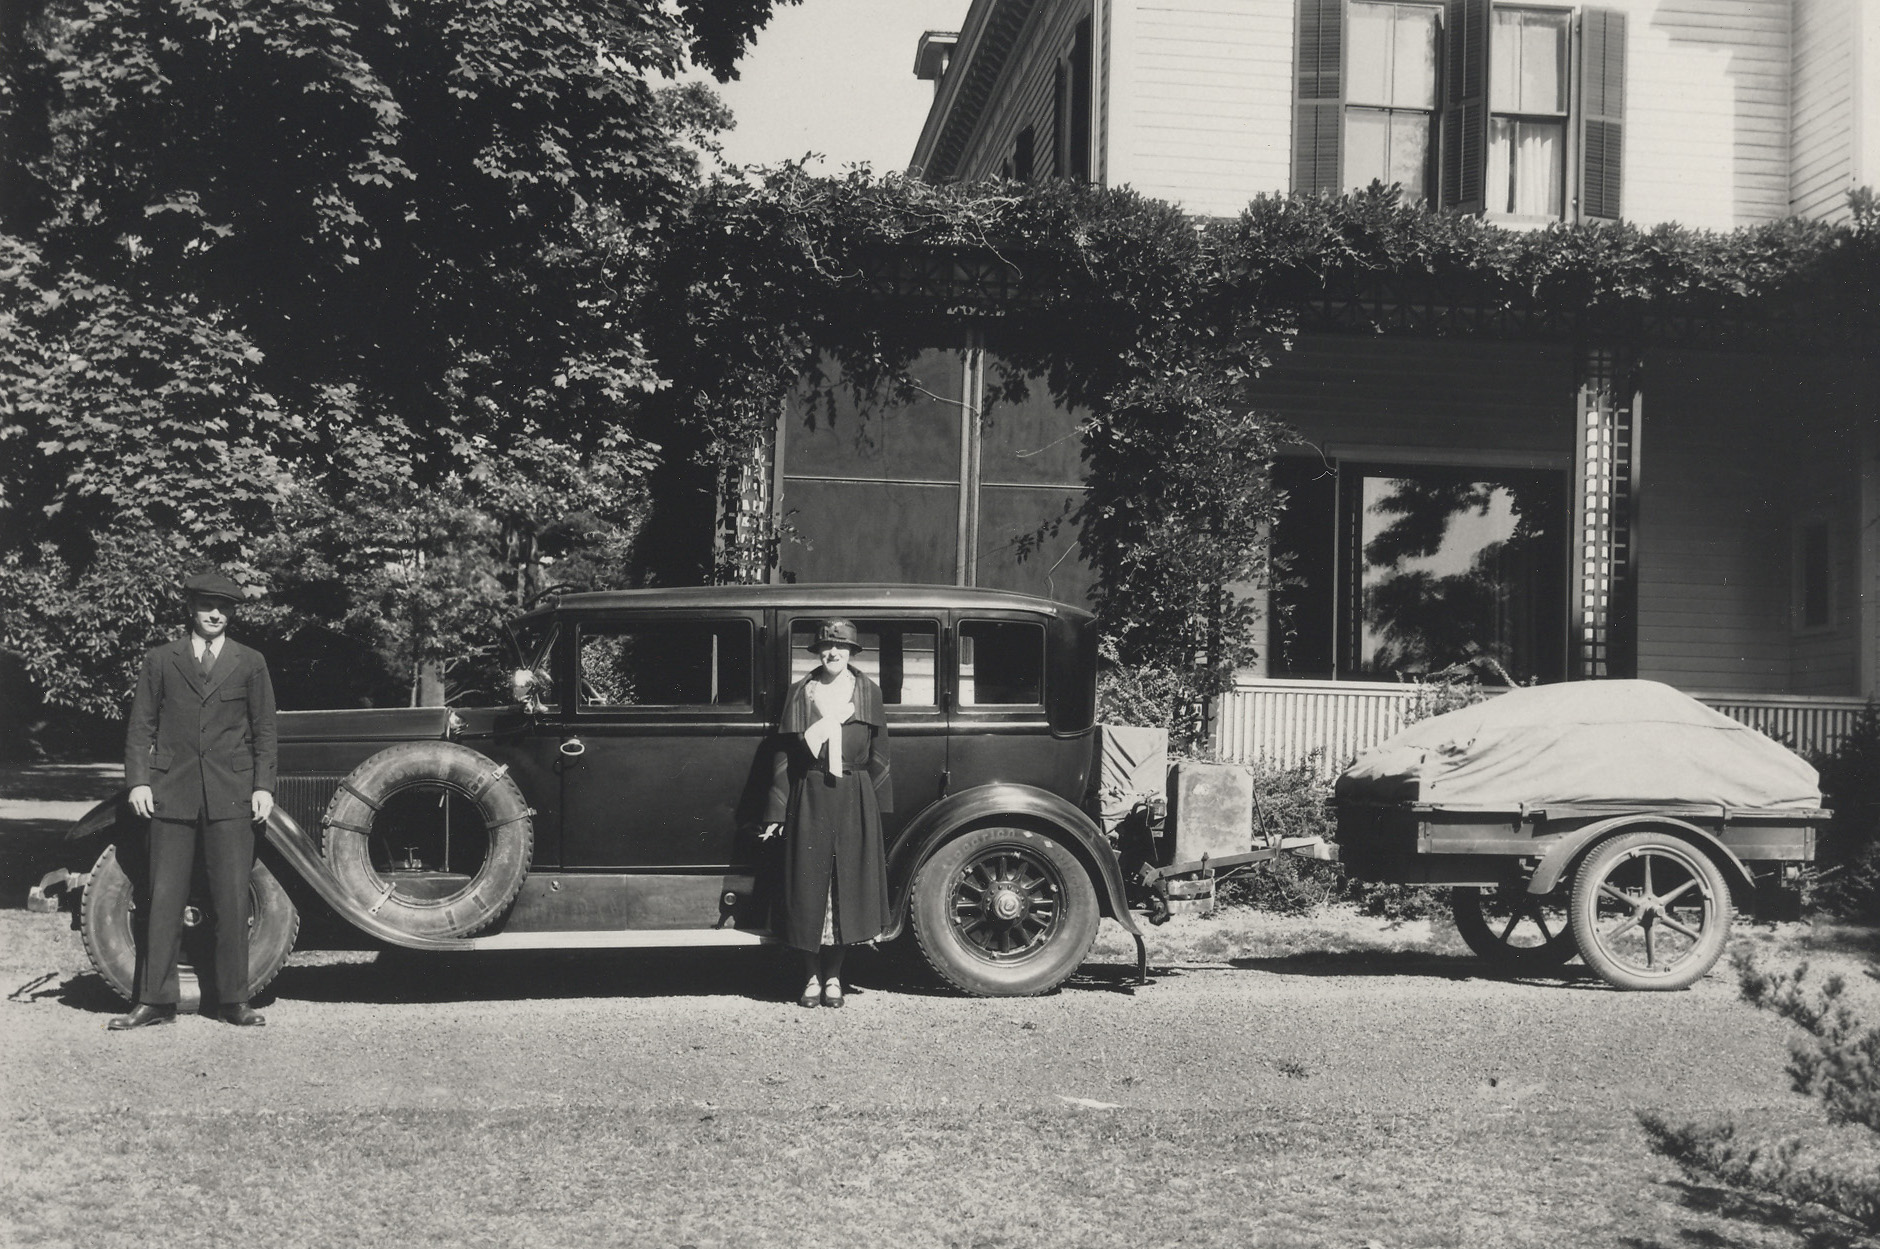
{"x":1025,"y":805}
{"x":1562,"y":853}
{"x":291,"y":841}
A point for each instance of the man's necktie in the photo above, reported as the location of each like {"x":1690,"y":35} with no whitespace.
{"x":208,"y":661}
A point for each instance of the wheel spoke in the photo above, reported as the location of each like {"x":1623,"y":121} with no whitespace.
{"x":1647,"y":861}
{"x":1507,"y":931}
{"x":1675,"y":926}
{"x":1679,"y":892}
{"x":1631,"y":921}
{"x":1631,"y":903}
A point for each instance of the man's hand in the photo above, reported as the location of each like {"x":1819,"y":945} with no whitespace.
{"x":770,"y":830}
{"x":143,"y":802}
{"x":263,"y":804}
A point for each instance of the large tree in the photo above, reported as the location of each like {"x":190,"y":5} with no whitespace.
{"x":269,"y":267}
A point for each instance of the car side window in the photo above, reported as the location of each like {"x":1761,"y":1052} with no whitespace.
{"x":693,"y":663}
{"x":1001,"y":663}
{"x":899,"y":655}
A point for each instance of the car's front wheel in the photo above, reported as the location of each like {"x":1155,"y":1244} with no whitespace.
{"x":107,"y":923}
{"x":1003,"y":912}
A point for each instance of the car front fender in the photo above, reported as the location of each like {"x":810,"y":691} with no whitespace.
{"x":1020,"y":804}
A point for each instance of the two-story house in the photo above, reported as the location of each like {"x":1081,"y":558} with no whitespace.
{"x":1705,"y":517}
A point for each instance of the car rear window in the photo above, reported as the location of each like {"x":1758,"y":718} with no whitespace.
{"x":666,"y":664}
{"x":1001,"y":663}
{"x":899,"y":655}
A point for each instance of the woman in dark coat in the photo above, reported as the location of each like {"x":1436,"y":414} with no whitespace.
{"x":828,"y":789}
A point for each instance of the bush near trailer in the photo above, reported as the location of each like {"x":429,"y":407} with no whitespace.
{"x":1846,"y":878}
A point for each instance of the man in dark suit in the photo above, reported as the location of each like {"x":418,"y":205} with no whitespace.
{"x":200,"y":759}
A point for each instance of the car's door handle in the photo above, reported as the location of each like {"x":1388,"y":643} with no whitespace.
{"x":574,"y":748}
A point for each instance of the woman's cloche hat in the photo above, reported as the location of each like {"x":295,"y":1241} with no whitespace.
{"x":839,"y":633}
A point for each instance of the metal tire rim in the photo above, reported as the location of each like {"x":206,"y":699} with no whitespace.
{"x":1654,"y":911}
{"x":1006,"y":904}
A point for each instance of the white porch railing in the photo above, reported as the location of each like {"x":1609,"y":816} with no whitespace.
{"x":1285,"y":723}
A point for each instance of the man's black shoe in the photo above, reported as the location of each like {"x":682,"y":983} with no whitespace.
{"x":142,"y":1016}
{"x":242,"y":1016}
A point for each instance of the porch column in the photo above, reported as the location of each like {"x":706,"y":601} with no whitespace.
{"x":1604,"y":595}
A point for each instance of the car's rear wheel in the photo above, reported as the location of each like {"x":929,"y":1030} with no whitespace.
{"x":1650,"y":911}
{"x":1511,"y":929}
{"x":433,"y":838}
{"x":107,"y":921}
{"x":1003,"y":912}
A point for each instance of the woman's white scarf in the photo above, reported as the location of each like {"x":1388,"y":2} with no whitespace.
{"x":834,"y":705}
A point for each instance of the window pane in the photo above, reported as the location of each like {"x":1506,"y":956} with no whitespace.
{"x":1413,"y":74}
{"x":683,"y":664}
{"x":1409,"y":152}
{"x":1525,"y":174}
{"x":1367,"y":54}
{"x":1455,"y":564}
{"x":1528,"y":62}
{"x":1367,"y":147}
{"x":897,"y":654}
{"x":1001,"y":663}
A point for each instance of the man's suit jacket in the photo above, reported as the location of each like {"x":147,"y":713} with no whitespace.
{"x":203,"y":748}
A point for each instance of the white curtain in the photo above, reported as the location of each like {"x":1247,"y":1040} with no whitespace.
{"x":1524,"y":167}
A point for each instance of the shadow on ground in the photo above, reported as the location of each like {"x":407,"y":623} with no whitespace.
{"x":1816,"y":1229}
{"x":1434,"y":966}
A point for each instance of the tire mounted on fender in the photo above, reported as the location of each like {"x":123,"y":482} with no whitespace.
{"x":348,"y":825}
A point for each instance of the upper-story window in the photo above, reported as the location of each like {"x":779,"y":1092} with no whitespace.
{"x":1514,"y":110}
{"x":1528,"y":98}
{"x":1390,"y":102}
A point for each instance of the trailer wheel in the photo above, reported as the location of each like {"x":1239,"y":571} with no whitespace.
{"x":1650,"y":911}
{"x":1003,"y":912}
{"x":107,"y":922}
{"x":1512,"y":930}
{"x":431,"y":837}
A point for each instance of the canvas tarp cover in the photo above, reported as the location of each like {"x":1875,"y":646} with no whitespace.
{"x":1630,"y":743}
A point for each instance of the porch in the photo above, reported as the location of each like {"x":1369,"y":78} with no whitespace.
{"x":1283,"y":723}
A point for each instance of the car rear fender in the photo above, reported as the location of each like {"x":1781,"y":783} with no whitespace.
{"x":1567,"y":851}
{"x":1021,"y":805}
{"x":80,"y":847}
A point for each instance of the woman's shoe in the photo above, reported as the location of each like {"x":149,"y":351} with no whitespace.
{"x":812,"y":993}
{"x":832,"y":992}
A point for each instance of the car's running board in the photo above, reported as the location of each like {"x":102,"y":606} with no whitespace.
{"x":619,"y":939}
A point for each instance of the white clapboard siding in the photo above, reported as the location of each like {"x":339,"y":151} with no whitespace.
{"x":1707,"y":125}
{"x":1822,"y":122}
{"x":1201,"y":109}
{"x":1323,"y":724}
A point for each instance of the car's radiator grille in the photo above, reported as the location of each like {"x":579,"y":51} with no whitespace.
{"x":305,"y":798}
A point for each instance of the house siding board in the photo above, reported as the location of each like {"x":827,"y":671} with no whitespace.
{"x":1822,"y":121}
{"x":1707,"y":111}
{"x":1025,"y":94}
{"x":1713,"y":590}
{"x":1219,"y":68}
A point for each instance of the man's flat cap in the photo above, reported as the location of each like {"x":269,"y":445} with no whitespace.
{"x":213,"y":585}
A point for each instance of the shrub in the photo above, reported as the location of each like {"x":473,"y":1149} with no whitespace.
{"x":1848,"y":861}
{"x":1836,"y":1061}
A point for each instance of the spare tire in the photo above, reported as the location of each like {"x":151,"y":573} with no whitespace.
{"x":385,"y":806}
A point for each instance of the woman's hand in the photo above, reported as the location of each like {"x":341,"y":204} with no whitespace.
{"x":769,"y":831}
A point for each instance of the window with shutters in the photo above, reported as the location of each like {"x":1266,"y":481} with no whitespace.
{"x":1390,"y":98}
{"x":1511,"y":110}
{"x":1527,"y":125}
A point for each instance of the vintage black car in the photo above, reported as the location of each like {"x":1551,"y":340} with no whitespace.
{"x":614,"y":802}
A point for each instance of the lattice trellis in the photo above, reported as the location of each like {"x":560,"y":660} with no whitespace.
{"x":1605,"y":463}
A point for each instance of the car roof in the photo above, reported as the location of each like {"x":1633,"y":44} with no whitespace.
{"x":818,"y":596}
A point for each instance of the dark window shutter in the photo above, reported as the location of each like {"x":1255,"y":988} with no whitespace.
{"x":1025,"y":155}
{"x":1319,"y":97}
{"x":1465,"y":103}
{"x":1061,"y":120}
{"x":1602,"y":112}
{"x":1083,"y":79}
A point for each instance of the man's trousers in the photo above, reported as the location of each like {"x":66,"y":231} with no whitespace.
{"x":228,"y":852}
